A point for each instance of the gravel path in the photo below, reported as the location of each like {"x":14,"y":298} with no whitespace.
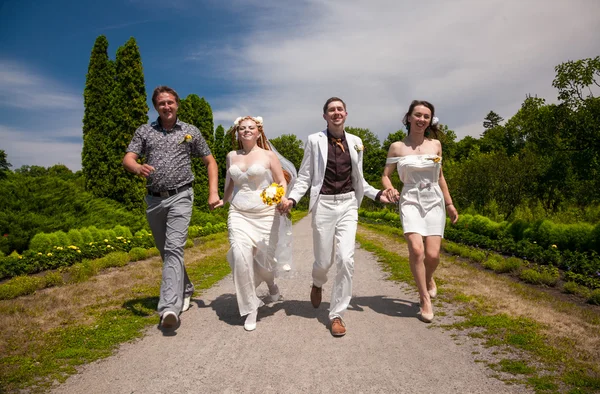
{"x":386,"y":349}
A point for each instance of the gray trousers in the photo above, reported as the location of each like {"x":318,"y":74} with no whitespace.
{"x":169,"y":219}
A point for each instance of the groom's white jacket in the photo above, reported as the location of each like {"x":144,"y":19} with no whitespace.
{"x":314,"y":162}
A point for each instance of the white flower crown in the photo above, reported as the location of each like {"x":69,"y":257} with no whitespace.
{"x":258,"y":120}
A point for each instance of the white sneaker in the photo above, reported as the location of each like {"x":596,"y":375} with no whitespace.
{"x":250,"y":324}
{"x":169,"y":320}
{"x":186,"y":303}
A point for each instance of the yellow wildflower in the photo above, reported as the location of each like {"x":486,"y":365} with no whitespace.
{"x":554,"y":246}
{"x":187,"y":138}
{"x":49,"y":254}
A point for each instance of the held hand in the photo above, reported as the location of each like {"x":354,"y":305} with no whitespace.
{"x":214,"y":201}
{"x":452,"y":212}
{"x":384,"y":199}
{"x":145,"y":170}
{"x":392,"y":195}
{"x":285,"y":206}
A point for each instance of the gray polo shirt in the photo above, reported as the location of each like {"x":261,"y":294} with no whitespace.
{"x":169,"y":153}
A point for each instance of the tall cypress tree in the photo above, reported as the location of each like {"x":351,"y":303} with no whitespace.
{"x":96,"y":98}
{"x":195,"y":110}
{"x":129,"y":110}
{"x":220,"y":151}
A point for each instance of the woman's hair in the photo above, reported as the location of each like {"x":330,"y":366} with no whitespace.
{"x":432,"y":129}
{"x":262,"y":141}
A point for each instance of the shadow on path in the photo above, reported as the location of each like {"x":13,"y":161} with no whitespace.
{"x":384,"y":305}
{"x":225,"y":307}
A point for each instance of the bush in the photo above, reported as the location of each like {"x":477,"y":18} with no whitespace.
{"x":122,"y":231}
{"x":41,"y":243}
{"x":476,"y":255}
{"x":86,"y":236}
{"x":594,"y":297}
{"x":574,"y":288}
{"x":153,"y":251}
{"x":189,"y":243}
{"x":62,"y":238}
{"x":493,"y":262}
{"x":115,"y":259}
{"x":137,"y":253}
{"x":79,"y":272}
{"x":20,"y":285}
{"x":52,"y":279}
{"x":96,"y":237}
{"x":547,"y":276}
{"x":75,"y":237}
{"x":512,"y":264}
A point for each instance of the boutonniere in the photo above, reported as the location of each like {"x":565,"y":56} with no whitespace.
{"x":359,"y":148}
{"x":435,"y":159}
{"x":186,"y":139}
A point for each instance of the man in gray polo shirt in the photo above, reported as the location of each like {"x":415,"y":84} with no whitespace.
{"x":168,"y":145}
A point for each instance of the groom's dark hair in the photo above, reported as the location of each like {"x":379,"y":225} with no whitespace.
{"x":331,"y":100}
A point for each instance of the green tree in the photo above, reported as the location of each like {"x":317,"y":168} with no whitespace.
{"x":574,"y":80}
{"x":393,"y":137}
{"x":494,"y":139}
{"x":96,"y":126}
{"x":373,"y":156}
{"x":129,"y":110}
{"x":492,"y":120}
{"x":220,"y":151}
{"x":4,"y":165}
{"x":196,"y":111}
{"x":466,"y":147}
{"x":290,"y":147}
{"x":448,"y":140}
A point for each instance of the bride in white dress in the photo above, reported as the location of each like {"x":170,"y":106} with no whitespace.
{"x":253,"y":225}
{"x":424,"y":199}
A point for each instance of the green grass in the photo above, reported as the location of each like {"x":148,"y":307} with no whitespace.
{"x":397,"y":266}
{"x":559,"y":369}
{"x":53,"y":355}
{"x":515,"y":367}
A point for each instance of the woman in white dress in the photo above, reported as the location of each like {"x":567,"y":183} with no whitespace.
{"x":424,"y":198}
{"x":253,"y":225}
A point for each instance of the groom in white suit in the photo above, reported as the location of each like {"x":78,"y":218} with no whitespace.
{"x":332,"y":168}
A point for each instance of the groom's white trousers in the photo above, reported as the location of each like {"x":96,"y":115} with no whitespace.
{"x":334,"y":224}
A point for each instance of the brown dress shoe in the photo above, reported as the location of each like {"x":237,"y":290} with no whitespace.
{"x":338,"y":329}
{"x":315,"y":296}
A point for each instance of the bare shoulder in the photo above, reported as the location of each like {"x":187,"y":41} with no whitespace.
{"x":438,"y":146}
{"x":396,"y":149}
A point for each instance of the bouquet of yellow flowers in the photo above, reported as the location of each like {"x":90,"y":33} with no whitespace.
{"x":272,"y":194}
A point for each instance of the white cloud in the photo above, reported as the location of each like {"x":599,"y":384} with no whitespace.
{"x":27,"y":147}
{"x":468,"y":57}
{"x":26,"y":89}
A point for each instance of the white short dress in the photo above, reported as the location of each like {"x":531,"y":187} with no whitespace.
{"x":421,"y":200}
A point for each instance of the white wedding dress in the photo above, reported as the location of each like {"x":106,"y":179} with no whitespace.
{"x":253,"y":235}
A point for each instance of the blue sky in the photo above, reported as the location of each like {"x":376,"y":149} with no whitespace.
{"x":282,"y":60}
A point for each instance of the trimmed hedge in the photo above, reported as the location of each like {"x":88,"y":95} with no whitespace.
{"x":59,"y":249}
{"x":574,"y":248}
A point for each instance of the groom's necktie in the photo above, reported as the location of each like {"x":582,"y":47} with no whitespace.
{"x":338,"y":142}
